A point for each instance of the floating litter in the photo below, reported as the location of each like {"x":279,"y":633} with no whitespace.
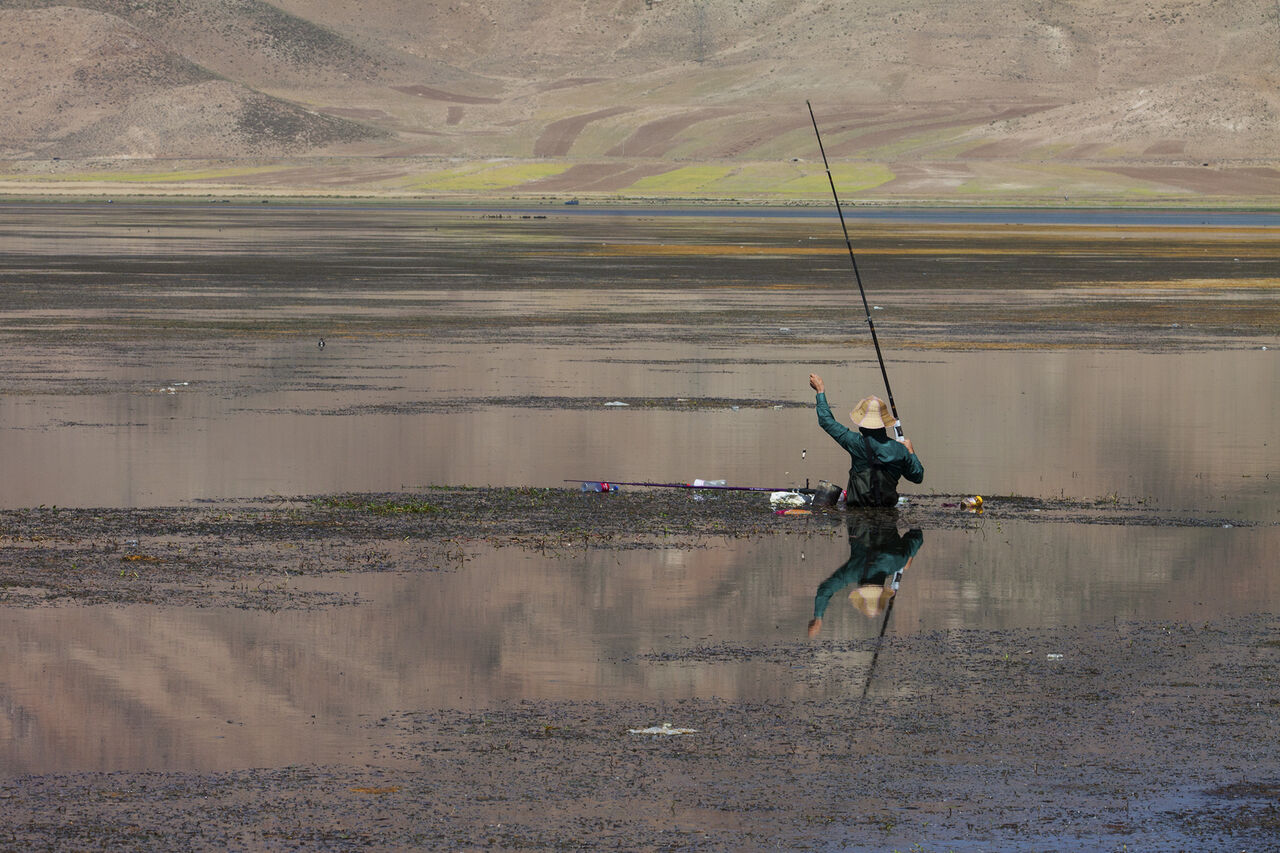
{"x":664,"y":729}
{"x":1053,"y":657}
{"x":617,"y":403}
{"x":787,"y":499}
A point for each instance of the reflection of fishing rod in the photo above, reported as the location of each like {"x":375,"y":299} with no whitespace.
{"x":897,"y":426}
{"x":805,"y":491}
{"x":875,"y":656}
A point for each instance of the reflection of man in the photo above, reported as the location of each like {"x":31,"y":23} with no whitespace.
{"x":878,"y":554}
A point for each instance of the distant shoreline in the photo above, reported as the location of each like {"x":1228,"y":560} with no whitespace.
{"x":906,"y":211}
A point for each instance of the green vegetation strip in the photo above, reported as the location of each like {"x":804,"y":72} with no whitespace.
{"x":405,"y":506}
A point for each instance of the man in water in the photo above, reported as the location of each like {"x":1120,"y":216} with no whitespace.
{"x":876,"y":461}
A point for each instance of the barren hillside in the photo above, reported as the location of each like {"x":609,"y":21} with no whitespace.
{"x":983,"y":100}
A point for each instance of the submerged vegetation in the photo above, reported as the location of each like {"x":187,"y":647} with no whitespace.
{"x":405,"y":506}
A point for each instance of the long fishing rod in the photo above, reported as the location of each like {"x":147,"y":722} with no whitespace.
{"x":875,"y":656}
{"x":879,"y":642}
{"x":805,"y":491}
{"x":897,"y":426}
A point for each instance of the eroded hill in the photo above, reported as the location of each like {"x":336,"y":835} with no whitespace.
{"x":1130,"y":100}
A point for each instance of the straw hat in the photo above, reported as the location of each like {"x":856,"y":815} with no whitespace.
{"x":872,"y":413}
{"x":871,"y":599}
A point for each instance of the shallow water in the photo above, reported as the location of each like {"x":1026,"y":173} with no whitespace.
{"x":154,"y":356}
{"x":1182,"y":431}
{"x":137,"y":688}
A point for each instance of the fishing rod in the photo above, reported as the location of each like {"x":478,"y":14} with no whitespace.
{"x":879,"y":641}
{"x":897,"y":426}
{"x":805,"y":491}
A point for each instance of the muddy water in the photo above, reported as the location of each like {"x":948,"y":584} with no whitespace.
{"x":154,"y":356}
{"x":136,"y":687}
{"x":1182,"y":431}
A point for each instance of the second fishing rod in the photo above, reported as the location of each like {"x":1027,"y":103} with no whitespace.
{"x":897,"y":422}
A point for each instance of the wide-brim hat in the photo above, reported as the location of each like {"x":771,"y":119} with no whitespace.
{"x":871,"y":599}
{"x":872,"y":413}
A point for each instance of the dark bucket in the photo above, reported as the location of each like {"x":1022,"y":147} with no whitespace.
{"x":826,"y":494}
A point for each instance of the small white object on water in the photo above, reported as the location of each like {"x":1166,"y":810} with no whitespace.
{"x":1053,"y":657}
{"x":784,"y":330}
{"x":617,"y":403}
{"x":876,"y":308}
{"x":734,"y":408}
{"x":777,"y":499}
{"x":664,"y":729}
{"x":902,"y":501}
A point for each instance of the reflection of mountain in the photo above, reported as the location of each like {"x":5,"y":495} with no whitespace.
{"x":188,"y":688}
{"x":634,"y":308}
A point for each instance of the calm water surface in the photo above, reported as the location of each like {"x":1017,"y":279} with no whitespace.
{"x":137,"y":687}
{"x":217,"y":388}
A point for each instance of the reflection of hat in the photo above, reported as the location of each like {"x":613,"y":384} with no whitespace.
{"x":871,"y":413}
{"x":871,"y":599}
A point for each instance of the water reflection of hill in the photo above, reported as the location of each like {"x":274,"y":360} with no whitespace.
{"x":136,"y":687}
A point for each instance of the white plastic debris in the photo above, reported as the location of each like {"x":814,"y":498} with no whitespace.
{"x":1053,"y":657}
{"x":664,"y":729}
{"x":783,"y":499}
{"x":617,"y":403}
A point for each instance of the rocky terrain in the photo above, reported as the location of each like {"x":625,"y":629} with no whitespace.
{"x":1046,"y":102}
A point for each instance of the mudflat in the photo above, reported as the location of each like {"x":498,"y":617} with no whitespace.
{"x":1152,"y":734}
{"x":1096,"y":732}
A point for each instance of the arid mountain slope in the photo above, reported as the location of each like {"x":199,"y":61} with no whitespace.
{"x":86,"y":84}
{"x":930,"y":99}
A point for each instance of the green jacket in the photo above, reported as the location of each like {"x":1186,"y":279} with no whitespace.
{"x":875,"y":556}
{"x":873,"y":481}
